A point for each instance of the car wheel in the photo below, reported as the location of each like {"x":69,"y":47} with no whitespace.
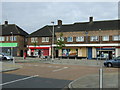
{"x":109,"y":65}
{"x":4,"y":58}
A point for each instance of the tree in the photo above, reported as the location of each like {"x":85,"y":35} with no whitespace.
{"x":60,"y":42}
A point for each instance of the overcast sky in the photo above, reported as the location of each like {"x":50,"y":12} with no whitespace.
{"x":32,"y":16}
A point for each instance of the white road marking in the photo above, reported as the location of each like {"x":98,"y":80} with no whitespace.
{"x":60,"y":69}
{"x":18,"y":80}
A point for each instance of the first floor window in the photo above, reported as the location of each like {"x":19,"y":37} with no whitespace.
{"x":60,"y":38}
{"x":80,"y":39}
{"x":94,"y":38}
{"x":34,"y":39}
{"x":13,"y":38}
{"x":7,"y":38}
{"x":116,"y":38}
{"x":2,"y":38}
{"x":105,"y":38}
{"x":45,"y":39}
{"x":69,"y":39}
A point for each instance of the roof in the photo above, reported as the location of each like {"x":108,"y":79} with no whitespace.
{"x":76,"y":27}
{"x":90,"y":26}
{"x":46,"y":31}
{"x":7,"y":29}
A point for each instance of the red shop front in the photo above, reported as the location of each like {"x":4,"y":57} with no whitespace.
{"x":42,"y":51}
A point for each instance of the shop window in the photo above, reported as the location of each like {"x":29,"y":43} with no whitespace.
{"x":105,"y":38}
{"x":69,"y":39}
{"x":116,"y":38}
{"x":2,"y":38}
{"x":94,"y":38}
{"x":80,"y":39}
{"x":45,"y":39}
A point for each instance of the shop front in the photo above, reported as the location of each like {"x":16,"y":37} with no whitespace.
{"x":105,"y":52}
{"x":39,"y":51}
{"x":9,"y":48}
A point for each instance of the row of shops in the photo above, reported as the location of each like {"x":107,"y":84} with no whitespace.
{"x":104,"y":52}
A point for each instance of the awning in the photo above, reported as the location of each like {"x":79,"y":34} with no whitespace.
{"x":38,"y":47}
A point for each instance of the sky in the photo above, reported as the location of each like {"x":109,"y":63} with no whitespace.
{"x":31,"y":16}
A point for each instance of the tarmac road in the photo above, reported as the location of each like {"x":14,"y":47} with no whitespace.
{"x":40,"y":75}
{"x":21,"y":81}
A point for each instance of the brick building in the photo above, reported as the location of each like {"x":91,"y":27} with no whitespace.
{"x":12,"y":38}
{"x":82,"y":39}
{"x":40,"y":42}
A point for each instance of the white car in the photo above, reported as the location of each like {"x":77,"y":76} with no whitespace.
{"x":4,"y":56}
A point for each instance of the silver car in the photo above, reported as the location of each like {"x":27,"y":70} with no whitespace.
{"x":4,"y":56}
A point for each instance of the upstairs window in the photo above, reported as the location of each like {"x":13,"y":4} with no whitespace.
{"x":69,"y":39}
{"x":62,"y":38}
{"x":80,"y":39}
{"x":94,"y":38}
{"x":7,"y":38}
{"x":34,"y":39}
{"x":45,"y":39}
{"x":13,"y":38}
{"x":116,"y":38}
{"x":105,"y":38}
{"x":2,"y":38}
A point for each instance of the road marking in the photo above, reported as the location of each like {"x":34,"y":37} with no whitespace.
{"x":60,"y":69}
{"x":18,"y":80}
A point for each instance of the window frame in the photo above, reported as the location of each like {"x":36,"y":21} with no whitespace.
{"x":93,"y":39}
{"x":71,"y":39}
{"x":45,"y":39}
{"x":78,"y":39}
{"x":103,"y":38}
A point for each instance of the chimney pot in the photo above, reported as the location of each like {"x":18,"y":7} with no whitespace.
{"x":6,"y":22}
{"x":59,"y":22}
{"x":90,"y":19}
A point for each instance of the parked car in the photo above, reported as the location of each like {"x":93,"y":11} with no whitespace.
{"x":4,"y":56}
{"x":115,"y":62}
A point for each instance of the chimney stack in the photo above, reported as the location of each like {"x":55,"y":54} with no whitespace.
{"x":90,"y":19}
{"x":6,"y":22}
{"x":59,"y":22}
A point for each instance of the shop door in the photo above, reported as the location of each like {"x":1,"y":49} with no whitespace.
{"x":56,"y":53}
{"x":110,"y":54}
{"x":46,"y":52}
{"x":90,"y":53}
{"x":21,"y":53}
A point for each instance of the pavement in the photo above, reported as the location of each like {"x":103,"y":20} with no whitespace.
{"x":9,"y":66}
{"x":110,"y":80}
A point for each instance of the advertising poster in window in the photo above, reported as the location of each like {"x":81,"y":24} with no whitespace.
{"x":69,"y":52}
{"x":72,"y":52}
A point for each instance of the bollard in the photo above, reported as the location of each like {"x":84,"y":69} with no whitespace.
{"x":100,"y":78}
{"x":13,"y":60}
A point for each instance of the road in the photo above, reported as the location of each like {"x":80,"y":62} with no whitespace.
{"x":39,"y":75}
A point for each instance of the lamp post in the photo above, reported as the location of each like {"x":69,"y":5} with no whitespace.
{"x":11,"y":44}
{"x":101,"y":68}
{"x":12,"y":47}
{"x":53,"y":41}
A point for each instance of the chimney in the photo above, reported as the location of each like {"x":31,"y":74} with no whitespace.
{"x":6,"y":22}
{"x":90,"y":19}
{"x":59,"y":22}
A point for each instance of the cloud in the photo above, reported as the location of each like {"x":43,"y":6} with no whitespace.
{"x":34,"y":15}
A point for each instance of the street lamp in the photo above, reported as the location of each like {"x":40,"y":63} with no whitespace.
{"x":53,"y":41}
{"x":11,"y":44}
{"x":101,"y":68}
{"x":12,"y":47}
